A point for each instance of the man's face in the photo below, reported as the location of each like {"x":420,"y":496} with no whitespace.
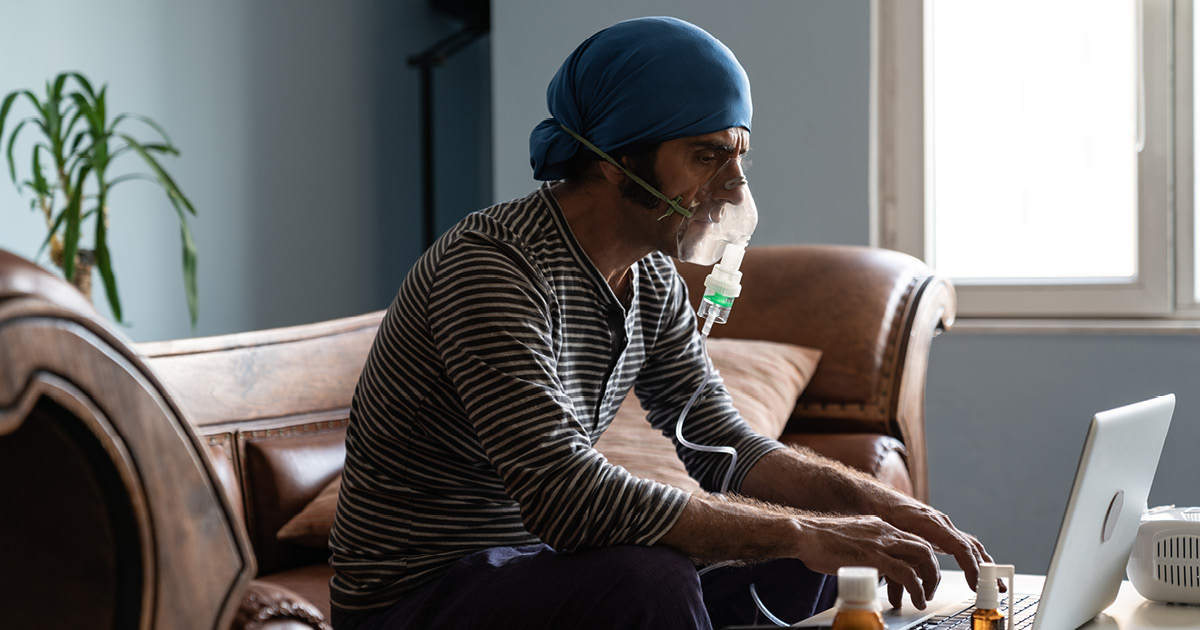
{"x":683,"y":168}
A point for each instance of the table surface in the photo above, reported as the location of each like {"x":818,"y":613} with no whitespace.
{"x":1130,"y":611}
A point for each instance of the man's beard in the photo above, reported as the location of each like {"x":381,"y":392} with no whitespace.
{"x":642,"y":165}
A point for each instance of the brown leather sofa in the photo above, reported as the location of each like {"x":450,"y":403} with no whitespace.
{"x":253,"y":424}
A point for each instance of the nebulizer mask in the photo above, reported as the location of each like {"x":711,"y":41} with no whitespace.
{"x":723,"y":216}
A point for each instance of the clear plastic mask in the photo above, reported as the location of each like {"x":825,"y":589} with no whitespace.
{"x":723,"y":212}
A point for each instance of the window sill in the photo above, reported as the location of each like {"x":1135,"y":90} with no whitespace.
{"x":1077,"y":326}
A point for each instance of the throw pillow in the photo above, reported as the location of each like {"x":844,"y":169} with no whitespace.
{"x":764,"y":378}
{"x":311,"y":526}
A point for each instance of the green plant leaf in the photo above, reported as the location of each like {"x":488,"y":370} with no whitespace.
{"x":59,"y":82}
{"x":12,"y":141}
{"x":52,"y":113}
{"x":189,"y":263}
{"x":91,"y":114}
{"x":78,"y":139}
{"x":161,"y":149}
{"x":147,"y":120}
{"x":71,"y":235}
{"x":53,"y":228}
{"x":104,"y":264}
{"x":124,"y":178}
{"x":164,"y":179}
{"x":76,"y":115}
{"x":101,"y":109}
{"x":37,"y":105}
{"x":39,"y":181}
{"x":4,"y":107}
{"x":98,"y":151}
{"x":82,"y":80}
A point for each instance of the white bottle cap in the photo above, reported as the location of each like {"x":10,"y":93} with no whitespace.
{"x":857,"y":587}
{"x":987,"y":593}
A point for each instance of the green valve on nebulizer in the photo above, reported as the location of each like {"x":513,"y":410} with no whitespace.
{"x":722,"y":286}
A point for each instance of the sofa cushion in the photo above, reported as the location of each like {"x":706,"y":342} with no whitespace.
{"x":311,"y":526}
{"x":285,"y":468}
{"x":764,"y":378}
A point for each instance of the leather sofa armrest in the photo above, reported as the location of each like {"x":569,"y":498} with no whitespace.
{"x":872,"y":312}
{"x":880,"y":456}
{"x":267,"y":606}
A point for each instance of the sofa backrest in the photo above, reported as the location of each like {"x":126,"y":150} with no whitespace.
{"x":272,"y":407}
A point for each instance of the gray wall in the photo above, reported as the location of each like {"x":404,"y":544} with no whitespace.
{"x":297,"y":122}
{"x":1007,"y":413}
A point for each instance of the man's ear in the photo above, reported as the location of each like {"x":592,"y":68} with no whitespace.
{"x":611,"y":173}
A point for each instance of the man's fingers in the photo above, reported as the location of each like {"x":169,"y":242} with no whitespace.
{"x":895,"y":593}
{"x":926,"y":565}
{"x":903,"y":573}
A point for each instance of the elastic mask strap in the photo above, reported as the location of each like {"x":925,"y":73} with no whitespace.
{"x":673,"y":205}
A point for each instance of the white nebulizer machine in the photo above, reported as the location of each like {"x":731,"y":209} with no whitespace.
{"x":1165,"y":563}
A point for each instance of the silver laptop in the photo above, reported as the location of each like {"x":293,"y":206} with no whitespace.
{"x":1103,"y":512}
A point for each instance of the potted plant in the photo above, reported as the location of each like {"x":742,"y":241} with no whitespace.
{"x":75,"y":145}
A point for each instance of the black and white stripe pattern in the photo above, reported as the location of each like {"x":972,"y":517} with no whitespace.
{"x":503,"y":358}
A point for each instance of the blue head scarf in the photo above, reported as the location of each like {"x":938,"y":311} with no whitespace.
{"x":638,"y":82}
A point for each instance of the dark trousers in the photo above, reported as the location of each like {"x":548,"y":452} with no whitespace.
{"x":623,"y":587}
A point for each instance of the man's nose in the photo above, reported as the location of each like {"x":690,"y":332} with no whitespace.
{"x":731,"y":183}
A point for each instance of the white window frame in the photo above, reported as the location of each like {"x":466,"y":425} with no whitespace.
{"x":898,"y":174}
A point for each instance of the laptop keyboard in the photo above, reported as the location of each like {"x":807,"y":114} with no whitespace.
{"x":1024,"y":608}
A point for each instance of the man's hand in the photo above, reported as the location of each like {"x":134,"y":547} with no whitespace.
{"x":805,"y":480}
{"x":935,"y":527}
{"x":906,"y":560}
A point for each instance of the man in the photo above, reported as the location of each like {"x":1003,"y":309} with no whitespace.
{"x":472,"y":496}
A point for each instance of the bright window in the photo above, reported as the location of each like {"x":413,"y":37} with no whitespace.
{"x":1034,"y":130}
{"x":1039,"y":175}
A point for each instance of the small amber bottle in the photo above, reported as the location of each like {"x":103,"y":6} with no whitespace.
{"x":987,"y":615}
{"x":858,"y":603}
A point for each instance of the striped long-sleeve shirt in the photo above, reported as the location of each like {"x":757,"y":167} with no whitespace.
{"x":501,"y":361}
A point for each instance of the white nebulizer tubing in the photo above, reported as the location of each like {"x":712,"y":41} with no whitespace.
{"x":728,"y":450}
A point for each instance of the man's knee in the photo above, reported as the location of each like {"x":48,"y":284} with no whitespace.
{"x":653,"y":585}
{"x":649,"y":569}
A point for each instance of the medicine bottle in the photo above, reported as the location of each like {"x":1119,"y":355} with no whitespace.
{"x":987,"y":615}
{"x":858,"y":604}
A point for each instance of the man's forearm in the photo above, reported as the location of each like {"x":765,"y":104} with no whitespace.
{"x":711,"y":529}
{"x":802,"y":479}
